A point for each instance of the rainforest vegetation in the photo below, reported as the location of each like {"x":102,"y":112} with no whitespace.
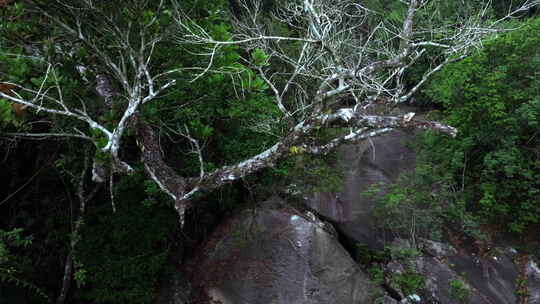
{"x":128,"y":127}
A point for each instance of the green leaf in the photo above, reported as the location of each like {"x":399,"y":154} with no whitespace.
{"x":259,"y":57}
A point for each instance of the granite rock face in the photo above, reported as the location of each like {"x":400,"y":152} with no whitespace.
{"x":278,"y":256}
{"x":453,"y":276}
{"x":373,"y":163}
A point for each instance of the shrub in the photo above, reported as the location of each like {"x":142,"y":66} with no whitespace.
{"x":459,"y":290}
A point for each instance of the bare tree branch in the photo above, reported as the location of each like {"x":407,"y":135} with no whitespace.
{"x":131,"y":68}
{"x":329,"y":55}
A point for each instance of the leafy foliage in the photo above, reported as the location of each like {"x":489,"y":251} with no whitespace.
{"x":422,"y":203}
{"x":228,"y":110}
{"x":409,"y":282}
{"x":493,"y":98}
{"x":9,"y":263}
{"x":490,"y":172}
{"x":459,"y":290}
{"x":120,"y":255}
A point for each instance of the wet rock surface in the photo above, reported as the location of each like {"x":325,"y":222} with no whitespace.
{"x":277,"y":256}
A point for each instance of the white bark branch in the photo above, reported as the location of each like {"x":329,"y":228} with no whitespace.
{"x":334,"y":54}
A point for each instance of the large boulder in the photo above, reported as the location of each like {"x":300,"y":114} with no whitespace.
{"x":454,"y":276}
{"x":372,"y":163}
{"x":268,"y":256}
{"x":493,"y":275}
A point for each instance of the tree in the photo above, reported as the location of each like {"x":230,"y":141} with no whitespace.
{"x":493,"y":97}
{"x":325,"y":64}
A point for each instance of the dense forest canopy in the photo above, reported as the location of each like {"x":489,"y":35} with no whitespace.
{"x":126,"y":109}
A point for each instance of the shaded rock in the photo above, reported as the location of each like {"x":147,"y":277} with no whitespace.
{"x":441,"y":283}
{"x":373,"y":163}
{"x":444,"y":285}
{"x":175,"y":289}
{"x":392,"y":270}
{"x":493,"y":276}
{"x":532,"y":275}
{"x":458,"y":277}
{"x":329,"y":205}
{"x":277,"y":256}
{"x":174,"y":286}
{"x":387,"y":300}
{"x":436,"y":249}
